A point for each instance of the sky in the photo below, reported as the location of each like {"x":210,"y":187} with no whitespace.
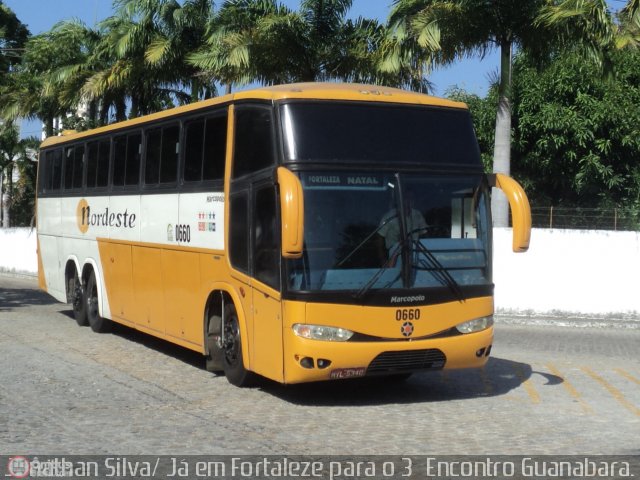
{"x":41,"y":15}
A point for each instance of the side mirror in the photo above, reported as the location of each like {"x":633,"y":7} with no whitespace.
{"x":520,"y":209}
{"x":291,"y":213}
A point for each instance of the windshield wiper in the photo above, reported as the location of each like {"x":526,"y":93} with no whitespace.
{"x":431,"y":264}
{"x":367,"y":238}
{"x":376,"y":276}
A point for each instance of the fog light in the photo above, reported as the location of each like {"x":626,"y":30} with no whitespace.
{"x":307,"y":362}
{"x":323,"y":363}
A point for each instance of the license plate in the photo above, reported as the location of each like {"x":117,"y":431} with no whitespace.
{"x":348,"y":372}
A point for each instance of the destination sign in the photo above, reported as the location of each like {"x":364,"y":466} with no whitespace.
{"x":343,"y":181}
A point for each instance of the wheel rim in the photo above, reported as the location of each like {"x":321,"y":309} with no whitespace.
{"x":231,"y":344}
{"x":92,"y":303}
{"x":77,"y":296}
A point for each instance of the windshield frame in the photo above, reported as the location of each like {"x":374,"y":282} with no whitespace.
{"x":404,"y":295}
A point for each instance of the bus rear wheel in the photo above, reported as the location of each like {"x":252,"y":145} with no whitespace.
{"x":232,"y":362}
{"x":77,"y":300}
{"x":97,"y":323}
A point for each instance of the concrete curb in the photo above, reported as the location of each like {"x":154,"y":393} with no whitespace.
{"x":14,"y":274}
{"x":569,"y":320}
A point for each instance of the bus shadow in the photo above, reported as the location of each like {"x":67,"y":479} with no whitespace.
{"x":14,"y":298}
{"x":165,"y":347}
{"x":498,"y":377}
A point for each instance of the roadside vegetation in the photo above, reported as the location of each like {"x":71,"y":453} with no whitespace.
{"x":561,"y":116}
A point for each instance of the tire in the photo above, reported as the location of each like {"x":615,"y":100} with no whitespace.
{"x":215,"y":354}
{"x":96,"y":322}
{"x":232,"y":351}
{"x":77,"y":300}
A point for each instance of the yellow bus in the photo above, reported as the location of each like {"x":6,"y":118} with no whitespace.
{"x":300,"y":232}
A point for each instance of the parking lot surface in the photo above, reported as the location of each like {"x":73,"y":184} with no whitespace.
{"x":546,"y":390}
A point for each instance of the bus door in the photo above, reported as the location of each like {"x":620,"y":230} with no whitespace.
{"x":255,"y":254}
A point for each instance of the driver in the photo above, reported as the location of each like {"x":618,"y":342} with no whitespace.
{"x":389,"y":233}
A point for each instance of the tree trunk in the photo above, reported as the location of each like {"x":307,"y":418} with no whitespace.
{"x":1,"y":198}
{"x":121,"y":110}
{"x":48,"y":126}
{"x":6,"y":197}
{"x":502,"y":146}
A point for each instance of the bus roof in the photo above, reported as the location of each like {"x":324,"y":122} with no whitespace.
{"x":307,"y":91}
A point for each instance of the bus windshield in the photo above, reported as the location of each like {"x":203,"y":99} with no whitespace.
{"x":354,"y":132}
{"x":357,"y":239}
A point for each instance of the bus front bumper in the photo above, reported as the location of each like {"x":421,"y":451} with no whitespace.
{"x":315,"y":360}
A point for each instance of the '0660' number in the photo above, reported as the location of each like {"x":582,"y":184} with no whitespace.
{"x":405,"y":314}
{"x":183,"y":233}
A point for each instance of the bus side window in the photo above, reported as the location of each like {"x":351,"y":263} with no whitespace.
{"x":194,"y":143}
{"x":119,"y":160}
{"x":215,"y":148}
{"x":205,"y":150}
{"x":134,"y":152}
{"x":254,"y":146}
{"x":266,"y":258}
{"x":126,"y":160}
{"x":161,"y":157}
{"x":102,"y":178}
{"x":169,"y":155}
{"x":98,"y":163}
{"x":239,"y":231}
{"x":152,"y":157}
{"x":45,"y":171}
{"x":92,"y":163}
{"x":68,"y":168}
{"x":73,"y":166}
{"x":56,"y":170}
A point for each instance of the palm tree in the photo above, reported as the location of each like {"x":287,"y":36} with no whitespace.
{"x":447,"y":30}
{"x":249,"y":41}
{"x":180,"y":29}
{"x":14,"y":153}
{"x":69,"y":79}
{"x":592,"y":22}
{"x":629,"y":28}
{"x":264,"y":41}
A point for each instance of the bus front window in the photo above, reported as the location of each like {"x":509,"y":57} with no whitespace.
{"x":367,"y":232}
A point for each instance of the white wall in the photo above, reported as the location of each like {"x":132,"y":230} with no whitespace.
{"x":564,"y":271}
{"x":18,"y":250}
{"x":569,"y":271}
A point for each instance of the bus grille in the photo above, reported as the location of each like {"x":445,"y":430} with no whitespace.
{"x":407,"y":361}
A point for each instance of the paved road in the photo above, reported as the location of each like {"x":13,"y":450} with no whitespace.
{"x":67,"y":390}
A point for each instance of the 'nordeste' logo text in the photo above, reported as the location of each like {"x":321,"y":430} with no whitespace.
{"x":87,"y":217}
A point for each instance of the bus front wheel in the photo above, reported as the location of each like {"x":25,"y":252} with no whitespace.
{"x":232,"y":350}
{"x":97,"y":323}
{"x":215,"y":353}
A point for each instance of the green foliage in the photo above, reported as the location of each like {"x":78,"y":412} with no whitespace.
{"x":483,"y":114}
{"x":576,"y":135}
{"x":13,"y":34}
{"x":264,"y":41}
{"x":18,"y":199}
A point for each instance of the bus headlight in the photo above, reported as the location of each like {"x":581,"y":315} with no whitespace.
{"x":475,"y":325}
{"x":319,"y":332}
